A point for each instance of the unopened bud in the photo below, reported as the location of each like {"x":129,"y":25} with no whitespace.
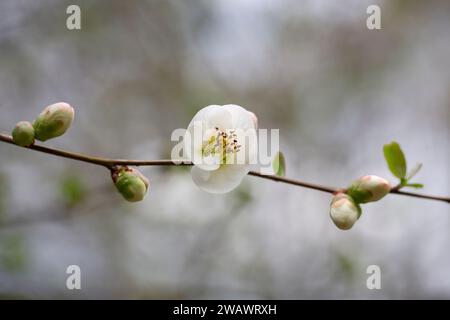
{"x":344,"y":211}
{"x":130,"y":183}
{"x":23,"y":134}
{"x":369,"y":189}
{"x":53,"y":121}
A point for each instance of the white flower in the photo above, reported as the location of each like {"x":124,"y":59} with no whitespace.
{"x":221,"y":143}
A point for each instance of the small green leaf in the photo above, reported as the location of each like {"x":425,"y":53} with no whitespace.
{"x":414,"y":185}
{"x":73,"y":191}
{"x":279,"y":165}
{"x":241,"y":197}
{"x":346,"y":265}
{"x":395,"y":159}
{"x":414,"y":171}
{"x":13,"y":253}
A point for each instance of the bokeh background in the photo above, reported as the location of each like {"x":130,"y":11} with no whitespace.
{"x":139,"y":69}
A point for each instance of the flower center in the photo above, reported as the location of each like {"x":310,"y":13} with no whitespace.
{"x":222,"y":143}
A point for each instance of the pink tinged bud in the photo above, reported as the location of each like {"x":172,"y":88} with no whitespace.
{"x":344,"y":211}
{"x":23,"y":134}
{"x":130,"y":183}
{"x":53,"y":121}
{"x":369,"y":188}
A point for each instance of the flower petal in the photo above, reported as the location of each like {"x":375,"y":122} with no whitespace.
{"x":202,"y":113}
{"x":209,"y":163}
{"x":241,"y":118}
{"x":222,"y":180}
{"x":200,"y":120}
{"x":220,"y":117}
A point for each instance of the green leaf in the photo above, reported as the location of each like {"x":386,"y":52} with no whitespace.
{"x":395,"y":159}
{"x":346,"y":265}
{"x":241,"y":197}
{"x":414,"y":185}
{"x":13,"y":253}
{"x":414,"y":171}
{"x":73,"y":191}
{"x":279,"y":165}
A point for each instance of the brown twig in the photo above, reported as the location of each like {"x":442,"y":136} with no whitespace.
{"x":105,"y":162}
{"x":110,"y":163}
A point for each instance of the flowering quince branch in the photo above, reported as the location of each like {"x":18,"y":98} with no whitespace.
{"x":110,"y":163}
{"x":214,"y":160}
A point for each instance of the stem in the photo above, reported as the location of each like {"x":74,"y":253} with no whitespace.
{"x":110,"y":163}
{"x":420,"y":195}
{"x":105,"y":162}
{"x":294,"y":182}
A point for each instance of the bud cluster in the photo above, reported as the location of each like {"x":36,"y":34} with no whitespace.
{"x":345,"y":209}
{"x":52,"y":122}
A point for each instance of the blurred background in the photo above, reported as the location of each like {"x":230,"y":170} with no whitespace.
{"x":139,"y":69}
